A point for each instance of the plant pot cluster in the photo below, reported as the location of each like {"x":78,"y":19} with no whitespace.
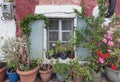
{"x":72,"y":71}
{"x":61,"y":50}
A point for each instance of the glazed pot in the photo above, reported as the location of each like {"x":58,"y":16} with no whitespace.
{"x":28,"y":76}
{"x":113,"y":75}
{"x":12,"y":76}
{"x":96,"y":76}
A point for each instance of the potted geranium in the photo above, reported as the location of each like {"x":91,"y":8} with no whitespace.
{"x":112,"y":40}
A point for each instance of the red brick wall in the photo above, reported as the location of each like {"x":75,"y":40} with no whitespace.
{"x":25,"y":7}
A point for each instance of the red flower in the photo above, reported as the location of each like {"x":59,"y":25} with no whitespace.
{"x":107,"y":55}
{"x":114,"y":67}
{"x":99,"y":53}
{"x":102,"y":56}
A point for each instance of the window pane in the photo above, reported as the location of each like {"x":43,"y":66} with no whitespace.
{"x":53,"y":36}
{"x":53,"y":25}
{"x":65,"y":36}
{"x":66,"y":25}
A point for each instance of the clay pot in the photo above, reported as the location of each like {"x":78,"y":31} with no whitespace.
{"x":76,"y":78}
{"x":45,"y":75}
{"x":28,"y":76}
{"x":2,"y":73}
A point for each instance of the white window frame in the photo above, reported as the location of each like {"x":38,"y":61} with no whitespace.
{"x":60,"y":31}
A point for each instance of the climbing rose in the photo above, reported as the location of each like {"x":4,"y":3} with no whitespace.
{"x":111,"y":43}
{"x":114,"y":67}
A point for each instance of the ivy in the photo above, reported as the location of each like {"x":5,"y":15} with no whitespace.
{"x":26,"y":22}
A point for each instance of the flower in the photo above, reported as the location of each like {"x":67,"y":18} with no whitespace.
{"x":114,"y":67}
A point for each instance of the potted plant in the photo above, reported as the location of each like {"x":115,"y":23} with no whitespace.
{"x":45,"y":71}
{"x":61,"y":70}
{"x":2,"y":70}
{"x":10,"y":52}
{"x":49,"y":53}
{"x":80,"y":72}
{"x":26,"y":67}
{"x":61,"y":50}
{"x":112,"y":61}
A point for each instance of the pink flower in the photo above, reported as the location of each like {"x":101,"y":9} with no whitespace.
{"x":109,"y":50}
{"x":101,"y":60}
{"x":109,"y":37}
{"x":118,"y":39}
{"x":111,"y":43}
{"x":104,"y":40}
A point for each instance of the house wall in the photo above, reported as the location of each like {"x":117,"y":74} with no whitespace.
{"x":7,"y":29}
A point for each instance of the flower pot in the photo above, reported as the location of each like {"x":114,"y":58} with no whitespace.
{"x":96,"y":76}
{"x":113,"y":75}
{"x":63,"y":55}
{"x":12,"y":76}
{"x":45,"y":75}
{"x":76,"y":78}
{"x":56,"y":55}
{"x":28,"y":76}
{"x":61,"y":78}
{"x":2,"y":73}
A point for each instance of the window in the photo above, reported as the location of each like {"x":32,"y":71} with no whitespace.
{"x":59,"y":29}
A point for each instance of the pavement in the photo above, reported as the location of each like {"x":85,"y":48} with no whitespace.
{"x":54,"y":79}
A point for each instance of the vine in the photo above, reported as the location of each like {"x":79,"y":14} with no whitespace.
{"x":26,"y":22}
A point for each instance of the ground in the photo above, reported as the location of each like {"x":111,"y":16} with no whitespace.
{"x":54,"y":79}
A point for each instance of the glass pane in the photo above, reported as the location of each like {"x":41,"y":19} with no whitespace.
{"x":53,"y":36}
{"x":65,"y":36}
{"x":53,"y":25}
{"x":66,"y":25}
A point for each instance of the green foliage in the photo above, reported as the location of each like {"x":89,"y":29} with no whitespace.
{"x":61,"y":68}
{"x":49,"y":52}
{"x":26,"y":22}
{"x":91,"y":36}
{"x":17,"y":54}
{"x":60,"y":47}
{"x":80,"y":70}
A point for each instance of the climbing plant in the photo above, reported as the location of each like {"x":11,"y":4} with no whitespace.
{"x":28,"y":20}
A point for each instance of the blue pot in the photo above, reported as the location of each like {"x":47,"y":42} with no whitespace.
{"x":12,"y":76}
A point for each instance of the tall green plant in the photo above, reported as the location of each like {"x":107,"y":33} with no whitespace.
{"x":91,"y":36}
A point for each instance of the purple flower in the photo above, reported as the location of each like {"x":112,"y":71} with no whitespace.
{"x":118,"y":39}
{"x":111,"y":43}
{"x":104,"y":40}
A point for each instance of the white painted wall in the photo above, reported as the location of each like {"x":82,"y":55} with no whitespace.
{"x":7,"y":29}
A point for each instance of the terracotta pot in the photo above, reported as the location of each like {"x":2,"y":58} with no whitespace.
{"x":28,"y":76}
{"x":45,"y":75}
{"x":2,"y":73}
{"x":76,"y":78}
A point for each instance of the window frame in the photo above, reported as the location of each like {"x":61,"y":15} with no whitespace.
{"x":60,"y":30}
